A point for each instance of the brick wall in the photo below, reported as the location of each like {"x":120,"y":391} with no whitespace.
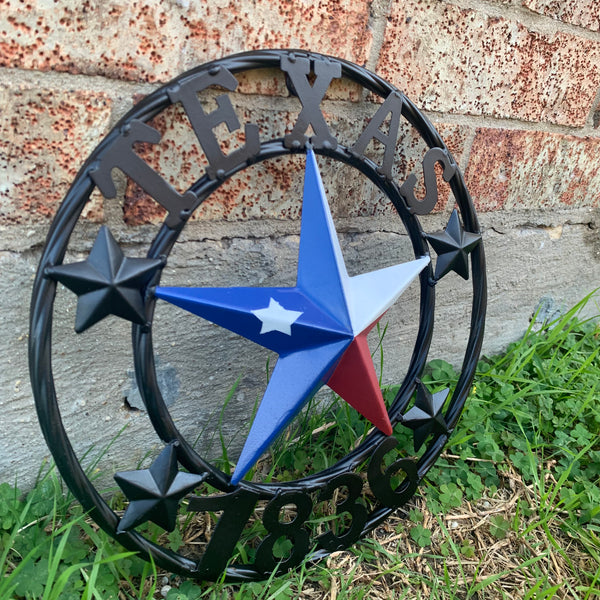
{"x":513,"y":86}
{"x":520,"y":77}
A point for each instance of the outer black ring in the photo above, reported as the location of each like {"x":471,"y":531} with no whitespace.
{"x":53,"y":254}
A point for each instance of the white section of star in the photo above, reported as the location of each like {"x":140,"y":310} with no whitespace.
{"x":369,"y":295}
{"x":276,"y":318}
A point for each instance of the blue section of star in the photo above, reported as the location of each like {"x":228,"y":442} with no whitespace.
{"x":235,"y":308}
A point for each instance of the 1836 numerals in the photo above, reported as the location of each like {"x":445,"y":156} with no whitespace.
{"x":286,"y":515}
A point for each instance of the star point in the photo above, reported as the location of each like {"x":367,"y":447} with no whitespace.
{"x":355,"y":380}
{"x":107,"y":282}
{"x":453,"y":246}
{"x":154,"y":494}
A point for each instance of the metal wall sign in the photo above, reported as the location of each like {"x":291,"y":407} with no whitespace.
{"x":318,"y":328}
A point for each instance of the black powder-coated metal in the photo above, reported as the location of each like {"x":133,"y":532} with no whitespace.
{"x":239,"y":502}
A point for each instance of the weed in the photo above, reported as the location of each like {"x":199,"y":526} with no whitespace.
{"x":534,"y":406}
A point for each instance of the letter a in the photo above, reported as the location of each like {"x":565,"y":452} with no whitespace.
{"x":391,"y":106}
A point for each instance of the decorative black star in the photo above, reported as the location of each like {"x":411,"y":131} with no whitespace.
{"x":107,"y":283}
{"x":154,"y":493}
{"x":425,"y":417}
{"x":453,"y":246}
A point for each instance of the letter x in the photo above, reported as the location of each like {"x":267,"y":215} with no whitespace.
{"x":310,"y":97}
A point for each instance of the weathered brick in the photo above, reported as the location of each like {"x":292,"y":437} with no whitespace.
{"x":273,"y":188}
{"x":155,"y":41}
{"x":517,"y":169}
{"x":272,"y":82}
{"x":45,"y":135}
{"x":583,"y":13}
{"x":451,"y":59}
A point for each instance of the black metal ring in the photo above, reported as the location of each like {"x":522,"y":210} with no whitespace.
{"x":54,"y":251}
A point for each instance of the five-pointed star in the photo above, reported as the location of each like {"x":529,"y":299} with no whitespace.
{"x":327,"y":340}
{"x":425,"y":417}
{"x":276,"y":318}
{"x":154,"y":493}
{"x":453,"y":246}
{"x":107,"y":282}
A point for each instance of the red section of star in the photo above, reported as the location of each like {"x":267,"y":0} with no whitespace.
{"x":355,"y":380}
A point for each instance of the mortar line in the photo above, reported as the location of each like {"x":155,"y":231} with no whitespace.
{"x":491,"y":122}
{"x":91,"y":82}
{"x":595,"y":109}
{"x":117,"y":89}
{"x":530,"y":19}
{"x":379,"y":12}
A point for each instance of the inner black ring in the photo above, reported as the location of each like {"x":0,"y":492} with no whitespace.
{"x":144,"y":352}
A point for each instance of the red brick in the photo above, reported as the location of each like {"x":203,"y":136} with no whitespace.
{"x":273,"y":188}
{"x":45,"y":135}
{"x":270,"y":189}
{"x":154,"y":41}
{"x":451,"y":59}
{"x":583,"y":13}
{"x":516,"y":169}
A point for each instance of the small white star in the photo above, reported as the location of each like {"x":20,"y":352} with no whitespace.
{"x":276,"y":318}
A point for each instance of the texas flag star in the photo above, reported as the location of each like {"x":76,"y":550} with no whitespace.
{"x":276,"y":318}
{"x":319,"y":327}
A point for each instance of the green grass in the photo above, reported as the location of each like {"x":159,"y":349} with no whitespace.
{"x":511,"y":509}
{"x":49,"y":551}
